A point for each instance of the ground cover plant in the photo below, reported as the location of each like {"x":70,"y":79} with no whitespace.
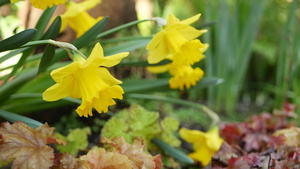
{"x":186,"y":85}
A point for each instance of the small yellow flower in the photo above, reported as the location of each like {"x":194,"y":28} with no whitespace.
{"x":77,"y":17}
{"x":43,"y":4}
{"x":89,"y":80}
{"x":168,"y":42}
{"x":184,"y":76}
{"x":205,"y":144}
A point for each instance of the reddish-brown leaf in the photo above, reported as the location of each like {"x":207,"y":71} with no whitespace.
{"x":27,"y":146}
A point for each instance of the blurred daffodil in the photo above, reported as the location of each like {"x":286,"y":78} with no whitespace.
{"x":184,"y":76}
{"x":87,"y":79}
{"x":77,"y":17}
{"x":43,"y":4}
{"x":205,"y":144}
{"x":169,"y":41}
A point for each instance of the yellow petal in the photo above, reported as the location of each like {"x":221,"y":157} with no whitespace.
{"x":155,"y":41}
{"x":158,"y":69}
{"x":191,"y":19}
{"x":89,"y":4}
{"x":82,"y":23}
{"x":204,"y":156}
{"x":191,"y":136}
{"x":97,"y":59}
{"x":172,"y":20}
{"x":59,"y":90}
{"x":60,"y":73}
{"x":107,"y":77}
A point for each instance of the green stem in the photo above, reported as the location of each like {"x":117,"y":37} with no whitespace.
{"x":116,"y":29}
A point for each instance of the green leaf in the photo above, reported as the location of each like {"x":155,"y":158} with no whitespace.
{"x":17,"y":40}
{"x":145,"y":85}
{"x":3,"y":2}
{"x":46,"y":58}
{"x":43,"y":22}
{"x":53,"y":30}
{"x":169,"y":126}
{"x":209,"y":82}
{"x":9,"y":88}
{"x":127,"y":46}
{"x":77,"y":140}
{"x":15,"y":117}
{"x":172,"y":151}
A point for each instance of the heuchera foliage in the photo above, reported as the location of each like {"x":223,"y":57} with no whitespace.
{"x":29,"y":149}
{"x":136,"y":122}
{"x":264,"y":141}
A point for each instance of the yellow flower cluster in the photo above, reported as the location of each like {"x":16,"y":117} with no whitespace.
{"x":205,"y":144}
{"x":87,"y":79}
{"x":177,"y":42}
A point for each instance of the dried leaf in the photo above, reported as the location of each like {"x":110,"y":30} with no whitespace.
{"x":27,"y":146}
{"x":135,"y":152}
{"x":100,"y":159}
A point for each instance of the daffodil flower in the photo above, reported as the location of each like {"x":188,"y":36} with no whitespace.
{"x":43,"y":4}
{"x":169,"y":41}
{"x":87,"y":79}
{"x":77,"y":17}
{"x":205,"y":144}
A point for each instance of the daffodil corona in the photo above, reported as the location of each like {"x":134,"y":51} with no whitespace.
{"x":87,"y":79}
{"x":43,"y":4}
{"x":205,"y":144}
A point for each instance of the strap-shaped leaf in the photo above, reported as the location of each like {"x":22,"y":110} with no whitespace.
{"x":43,"y":22}
{"x":46,"y":58}
{"x":12,"y":117}
{"x":17,"y":40}
{"x":9,"y":88}
{"x":172,"y":151}
{"x":53,"y":30}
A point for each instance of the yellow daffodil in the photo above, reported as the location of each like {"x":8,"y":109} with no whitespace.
{"x":77,"y":17}
{"x":168,"y":42}
{"x":205,"y":144}
{"x":87,"y":79}
{"x":43,"y":4}
{"x":184,"y":76}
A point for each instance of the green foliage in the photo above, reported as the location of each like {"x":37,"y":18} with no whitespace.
{"x":136,"y":121}
{"x":77,"y":140}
